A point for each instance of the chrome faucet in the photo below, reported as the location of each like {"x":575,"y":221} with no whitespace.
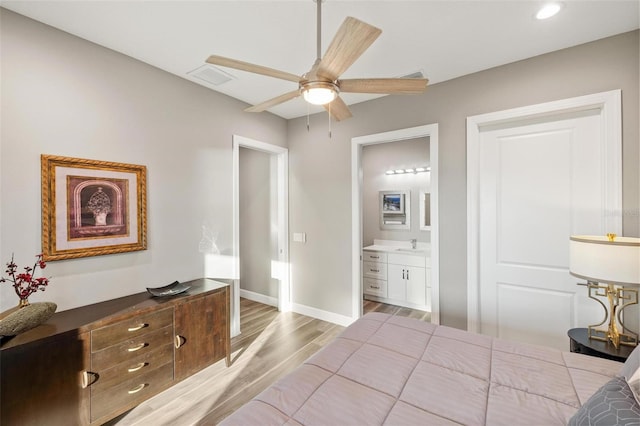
{"x":414,"y":243}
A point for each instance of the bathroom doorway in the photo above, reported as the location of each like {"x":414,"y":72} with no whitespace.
{"x":430,"y":133}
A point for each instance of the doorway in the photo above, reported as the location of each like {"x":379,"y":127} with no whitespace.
{"x":278,"y":244}
{"x":427,"y":131}
{"x":536,"y":176}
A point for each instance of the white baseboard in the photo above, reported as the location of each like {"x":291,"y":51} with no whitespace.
{"x":322,"y":315}
{"x":260,"y":298}
{"x":299,"y":309}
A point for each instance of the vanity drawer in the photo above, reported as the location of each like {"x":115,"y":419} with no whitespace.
{"x":130,"y":392}
{"x":128,"y":329}
{"x":374,"y":256}
{"x":133,"y":367}
{"x":375,"y":270}
{"x":375,"y":287}
{"x":407,"y":260}
{"x":131,"y":349}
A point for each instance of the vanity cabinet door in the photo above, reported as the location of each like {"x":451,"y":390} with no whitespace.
{"x":416,"y":290}
{"x":396,"y":283}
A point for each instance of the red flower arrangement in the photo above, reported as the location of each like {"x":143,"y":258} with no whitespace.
{"x":25,"y":283}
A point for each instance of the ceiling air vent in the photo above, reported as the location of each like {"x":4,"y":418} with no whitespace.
{"x":211,"y":75}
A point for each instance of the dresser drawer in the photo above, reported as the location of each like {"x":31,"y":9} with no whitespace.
{"x":128,"y":329}
{"x":130,"y":392}
{"x":375,"y":270}
{"x":130,"y":349}
{"x":375,"y":287}
{"x":135,"y":367}
{"x":374,"y":256}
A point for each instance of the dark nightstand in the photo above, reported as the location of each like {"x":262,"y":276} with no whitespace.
{"x":580,"y":343}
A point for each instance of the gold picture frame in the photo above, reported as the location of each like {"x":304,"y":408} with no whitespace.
{"x":92,"y":208}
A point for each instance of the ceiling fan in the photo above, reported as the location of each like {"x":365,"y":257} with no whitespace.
{"x":322,"y":84}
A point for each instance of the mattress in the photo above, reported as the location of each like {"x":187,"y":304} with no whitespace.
{"x":390,"y":370}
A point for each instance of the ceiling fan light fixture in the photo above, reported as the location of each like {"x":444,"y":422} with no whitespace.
{"x":319,"y":92}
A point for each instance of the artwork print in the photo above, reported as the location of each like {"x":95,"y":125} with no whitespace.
{"x":97,"y":207}
{"x":392,"y":203}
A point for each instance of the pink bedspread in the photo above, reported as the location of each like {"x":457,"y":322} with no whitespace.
{"x":399,"y":371}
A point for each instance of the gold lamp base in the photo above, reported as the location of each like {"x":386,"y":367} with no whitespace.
{"x":618,"y":299}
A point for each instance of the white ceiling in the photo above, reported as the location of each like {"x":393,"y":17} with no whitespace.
{"x":443,"y":39}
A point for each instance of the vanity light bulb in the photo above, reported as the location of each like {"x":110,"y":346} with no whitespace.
{"x":390,"y":172}
{"x":399,"y":171}
{"x":420,"y":169}
{"x":409,"y":170}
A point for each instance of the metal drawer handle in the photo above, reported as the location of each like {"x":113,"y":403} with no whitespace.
{"x":179,"y":341}
{"x":136,"y":367}
{"x":375,"y":257}
{"x":375,"y":270}
{"x":87,"y":378}
{"x":137,"y":388}
{"x":376,"y":287}
{"x":137,"y":347}
{"x":137,"y":327}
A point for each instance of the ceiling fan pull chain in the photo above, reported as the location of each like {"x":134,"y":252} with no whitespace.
{"x":329,"y":117}
{"x":308,"y":127}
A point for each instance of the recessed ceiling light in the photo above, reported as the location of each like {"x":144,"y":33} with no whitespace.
{"x":548,"y":10}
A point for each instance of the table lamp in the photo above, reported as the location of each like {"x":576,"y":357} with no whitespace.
{"x":610,"y":265}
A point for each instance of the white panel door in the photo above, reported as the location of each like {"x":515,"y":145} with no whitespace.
{"x":540,"y":182}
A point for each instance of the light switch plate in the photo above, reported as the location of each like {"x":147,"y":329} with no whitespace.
{"x":299,"y":237}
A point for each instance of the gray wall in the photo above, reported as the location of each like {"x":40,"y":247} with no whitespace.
{"x":256,"y":242}
{"x":320,"y":168}
{"x":376,"y":160}
{"x":62,"y":95}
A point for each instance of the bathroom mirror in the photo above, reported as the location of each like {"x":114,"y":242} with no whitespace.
{"x":395,"y":209}
{"x":425,"y":211}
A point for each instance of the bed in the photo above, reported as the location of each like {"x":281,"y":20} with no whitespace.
{"x":392,"y":370}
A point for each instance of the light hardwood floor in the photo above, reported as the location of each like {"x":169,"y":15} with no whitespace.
{"x":271,"y":345}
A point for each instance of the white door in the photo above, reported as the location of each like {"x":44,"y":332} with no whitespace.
{"x":539,"y":182}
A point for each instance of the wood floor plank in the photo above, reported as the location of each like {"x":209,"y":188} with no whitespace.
{"x":271,"y":345}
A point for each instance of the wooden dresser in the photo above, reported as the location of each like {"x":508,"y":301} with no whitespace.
{"x":90,"y":364}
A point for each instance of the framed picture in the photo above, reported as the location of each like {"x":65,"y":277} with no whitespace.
{"x":91,"y":208}
{"x":392,"y":202}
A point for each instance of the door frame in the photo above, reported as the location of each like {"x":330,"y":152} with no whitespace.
{"x":281,"y":267}
{"x":609,"y":105}
{"x":357,"y":143}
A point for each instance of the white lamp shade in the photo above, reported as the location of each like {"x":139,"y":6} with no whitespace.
{"x":597,"y":259}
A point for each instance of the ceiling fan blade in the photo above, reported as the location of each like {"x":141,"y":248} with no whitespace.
{"x":351,"y":40}
{"x":338,"y":109}
{"x":256,"y":69}
{"x":383,"y":85}
{"x":273,"y":102}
